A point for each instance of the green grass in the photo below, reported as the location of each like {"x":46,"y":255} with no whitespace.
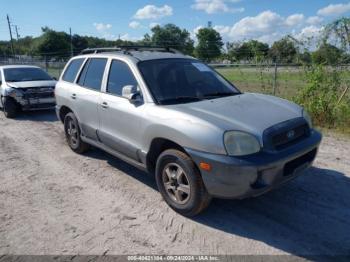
{"x":260,"y":79}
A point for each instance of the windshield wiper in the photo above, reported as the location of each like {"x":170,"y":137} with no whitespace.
{"x":219,"y":94}
{"x":180,"y":99}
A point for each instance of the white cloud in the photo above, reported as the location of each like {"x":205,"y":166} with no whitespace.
{"x":195,"y":32}
{"x":216,"y":6}
{"x":153,"y":12}
{"x":264,"y":23}
{"x":295,"y":19}
{"x":102,"y":27}
{"x":135,"y":25}
{"x":267,"y":27}
{"x":334,"y":9}
{"x":314,"y":20}
{"x":104,"y":30}
{"x":309,"y":32}
{"x":151,"y":25}
{"x":127,"y":37}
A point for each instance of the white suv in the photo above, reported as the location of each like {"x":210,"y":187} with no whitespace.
{"x":177,"y":118}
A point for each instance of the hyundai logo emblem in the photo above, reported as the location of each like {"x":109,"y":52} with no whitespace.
{"x":290,"y":134}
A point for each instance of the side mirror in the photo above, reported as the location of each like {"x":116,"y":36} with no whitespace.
{"x":131,"y":93}
{"x":54,"y":78}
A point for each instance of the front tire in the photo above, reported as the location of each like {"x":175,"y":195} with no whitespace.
{"x":72,"y":131}
{"x":180,"y":183}
{"x":9,"y":107}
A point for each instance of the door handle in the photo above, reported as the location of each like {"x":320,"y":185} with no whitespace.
{"x":104,"y":105}
{"x":74,"y":96}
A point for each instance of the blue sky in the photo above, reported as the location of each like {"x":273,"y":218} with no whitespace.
{"x":265,"y":20}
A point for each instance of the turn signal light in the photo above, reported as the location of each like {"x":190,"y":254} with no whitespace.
{"x":205,"y":166}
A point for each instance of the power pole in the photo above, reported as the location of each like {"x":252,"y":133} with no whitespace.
{"x":9,"y":24}
{"x":18,"y":36}
{"x":71,"y":42}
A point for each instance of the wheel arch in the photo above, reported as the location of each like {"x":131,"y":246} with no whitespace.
{"x":157,"y":146}
{"x":64,"y":110}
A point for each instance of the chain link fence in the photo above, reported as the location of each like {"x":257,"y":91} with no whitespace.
{"x":277,"y":79}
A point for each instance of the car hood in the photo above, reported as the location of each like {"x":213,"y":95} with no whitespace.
{"x":247,"y":112}
{"x":31,"y":84}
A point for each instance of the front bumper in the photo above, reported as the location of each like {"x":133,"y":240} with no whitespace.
{"x":241,"y":177}
{"x":37,"y":103}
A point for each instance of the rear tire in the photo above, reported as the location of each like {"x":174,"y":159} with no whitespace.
{"x":10,"y":107}
{"x":180,"y":183}
{"x":73,"y":134}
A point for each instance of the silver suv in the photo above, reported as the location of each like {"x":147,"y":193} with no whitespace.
{"x":177,"y":118}
{"x":25,"y":88}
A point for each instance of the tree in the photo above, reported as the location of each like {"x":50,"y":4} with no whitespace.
{"x":172,"y":36}
{"x":209,"y":44}
{"x":283,"y":51}
{"x":251,"y":50}
{"x":79,"y":43}
{"x":54,"y":44}
{"x":327,"y":54}
{"x":338,"y":33}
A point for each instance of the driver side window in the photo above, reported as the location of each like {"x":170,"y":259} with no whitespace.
{"x":120,"y":75}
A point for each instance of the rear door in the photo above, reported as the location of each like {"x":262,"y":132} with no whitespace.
{"x":120,"y":119}
{"x":86,"y":95}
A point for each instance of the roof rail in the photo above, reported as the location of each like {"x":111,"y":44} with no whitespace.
{"x":99,"y":50}
{"x":127,"y":49}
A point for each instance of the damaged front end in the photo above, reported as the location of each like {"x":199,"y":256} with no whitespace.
{"x":33,"y":98}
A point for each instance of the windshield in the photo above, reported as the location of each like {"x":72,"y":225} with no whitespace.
{"x":25,"y":74}
{"x":173,"y":81}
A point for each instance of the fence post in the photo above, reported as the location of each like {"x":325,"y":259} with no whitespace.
{"x":274,"y":84}
{"x":46,"y":64}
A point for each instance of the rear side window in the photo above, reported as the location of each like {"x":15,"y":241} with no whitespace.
{"x":120,"y":75}
{"x":72,"y":70}
{"x":92,"y":74}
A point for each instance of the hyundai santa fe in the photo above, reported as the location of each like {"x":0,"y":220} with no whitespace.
{"x":177,"y":118}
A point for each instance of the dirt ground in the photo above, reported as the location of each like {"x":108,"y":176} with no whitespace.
{"x":53,"y":201}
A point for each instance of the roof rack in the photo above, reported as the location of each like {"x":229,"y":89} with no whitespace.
{"x":127,"y":49}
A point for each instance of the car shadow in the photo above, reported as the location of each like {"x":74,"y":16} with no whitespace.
{"x":308,"y":217}
{"x":38,"y":116}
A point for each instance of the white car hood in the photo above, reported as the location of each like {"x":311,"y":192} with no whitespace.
{"x":31,"y":84}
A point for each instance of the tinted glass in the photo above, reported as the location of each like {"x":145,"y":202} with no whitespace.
{"x":120,"y":75}
{"x":25,"y":74}
{"x":92,"y":73}
{"x":72,"y":70}
{"x":174,"y":81}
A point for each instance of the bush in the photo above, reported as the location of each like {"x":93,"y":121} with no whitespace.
{"x":320,"y":97}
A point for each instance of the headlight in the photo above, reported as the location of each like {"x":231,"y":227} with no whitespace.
{"x":12,"y":93}
{"x":239,"y":143}
{"x":307,"y":118}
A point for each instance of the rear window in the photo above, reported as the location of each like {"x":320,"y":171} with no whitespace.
{"x":72,"y":70}
{"x":92,"y":74}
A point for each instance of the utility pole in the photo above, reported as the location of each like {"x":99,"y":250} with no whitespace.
{"x":71,"y":42}
{"x":18,"y":36}
{"x":9,"y":24}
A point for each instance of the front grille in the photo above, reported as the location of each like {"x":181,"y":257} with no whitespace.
{"x":37,"y":93}
{"x":285,"y":134}
{"x":290,"y":137}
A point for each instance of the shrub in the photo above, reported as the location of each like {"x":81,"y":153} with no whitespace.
{"x":320,"y":97}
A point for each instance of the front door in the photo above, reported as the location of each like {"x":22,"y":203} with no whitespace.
{"x":120,"y":119}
